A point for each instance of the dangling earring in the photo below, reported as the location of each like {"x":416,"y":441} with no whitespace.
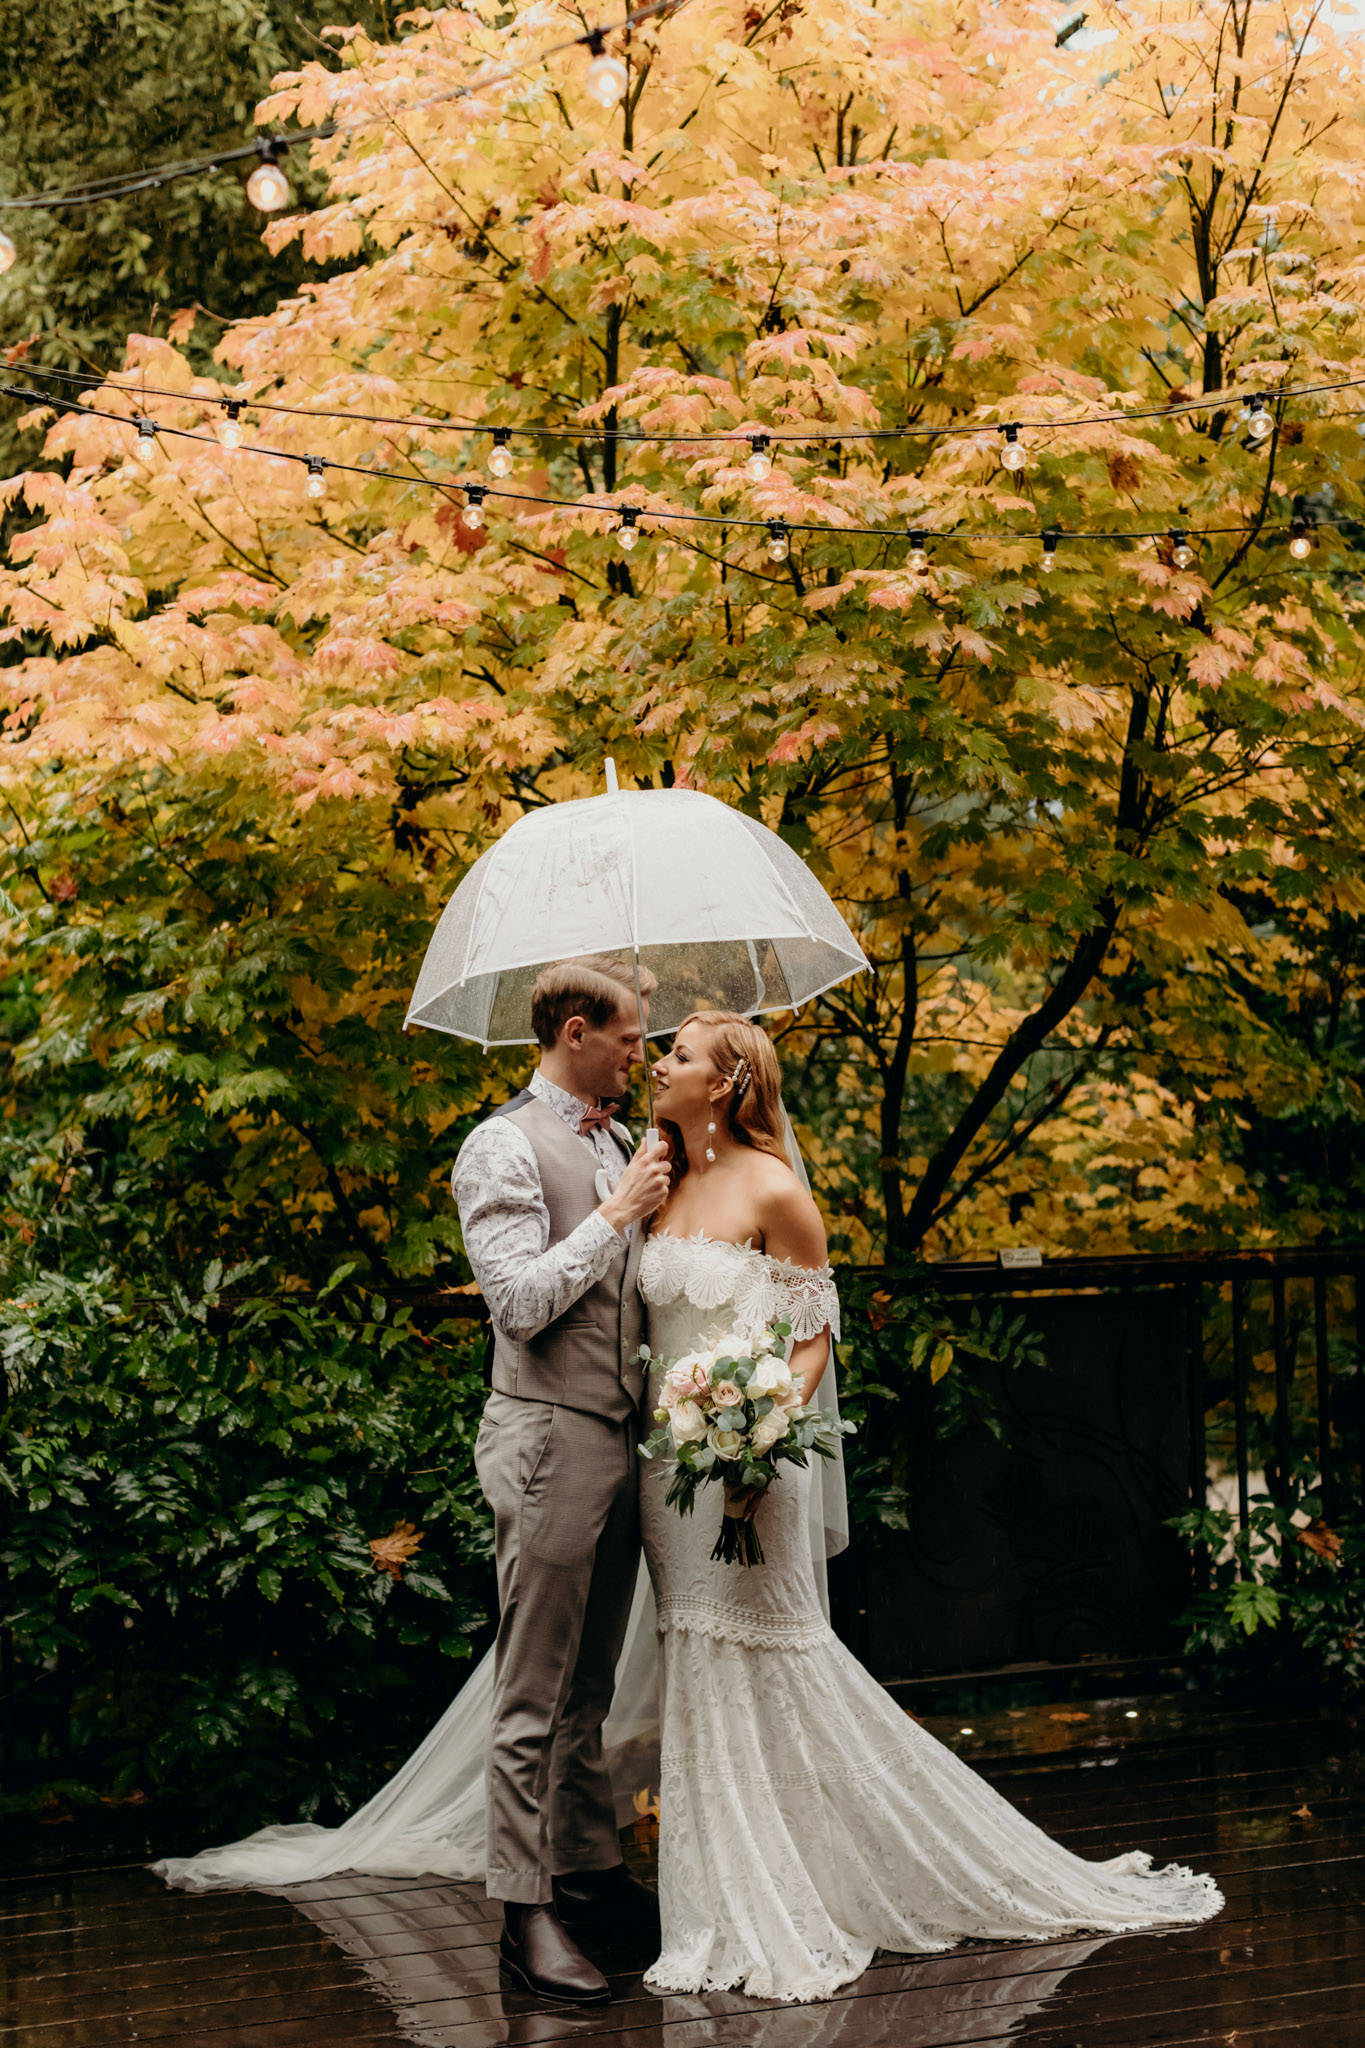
{"x":710,"y":1134}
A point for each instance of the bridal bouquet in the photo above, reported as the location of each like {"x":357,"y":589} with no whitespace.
{"x":733,"y":1414}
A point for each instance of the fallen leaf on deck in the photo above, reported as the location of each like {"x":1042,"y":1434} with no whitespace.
{"x":391,"y":1552}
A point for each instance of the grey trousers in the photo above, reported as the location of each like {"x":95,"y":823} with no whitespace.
{"x":563,"y":1487}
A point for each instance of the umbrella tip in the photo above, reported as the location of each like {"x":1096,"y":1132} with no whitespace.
{"x":611,"y":776}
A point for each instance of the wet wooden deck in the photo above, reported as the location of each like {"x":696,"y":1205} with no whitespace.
{"x":94,"y":1952}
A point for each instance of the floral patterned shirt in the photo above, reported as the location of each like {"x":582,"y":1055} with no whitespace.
{"x":527,"y":1281}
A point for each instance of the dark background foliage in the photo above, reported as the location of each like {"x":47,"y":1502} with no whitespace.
{"x":90,"y":91}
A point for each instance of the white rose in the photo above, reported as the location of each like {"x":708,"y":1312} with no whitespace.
{"x":735,"y":1345}
{"x":687,"y":1423}
{"x":769,"y":1430}
{"x":726,"y":1443}
{"x":771,"y":1376}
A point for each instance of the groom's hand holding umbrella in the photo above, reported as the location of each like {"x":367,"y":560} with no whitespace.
{"x":640,"y":1190}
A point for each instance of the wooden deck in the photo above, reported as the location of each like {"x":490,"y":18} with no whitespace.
{"x":94,"y":1952}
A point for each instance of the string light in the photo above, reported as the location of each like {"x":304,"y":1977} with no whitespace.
{"x":1260,"y":424}
{"x":607,"y":77}
{"x":8,"y":253}
{"x":628,"y":532}
{"x":500,"y":454}
{"x":230,"y":426}
{"x":316,"y":485}
{"x":1182,"y":554}
{"x":148,"y":433}
{"x":1013,"y":455}
{"x":104,"y":191}
{"x":801,"y":438}
{"x":779,"y":547}
{"x":1049,"y":561}
{"x":267,"y":187}
{"x":760,"y":463}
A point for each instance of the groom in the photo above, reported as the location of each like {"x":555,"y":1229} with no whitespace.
{"x":552,"y":1207}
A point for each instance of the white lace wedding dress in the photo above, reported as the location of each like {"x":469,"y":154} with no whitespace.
{"x":806,"y":1821}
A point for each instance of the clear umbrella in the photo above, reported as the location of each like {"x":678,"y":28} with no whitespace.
{"x":720,"y":910}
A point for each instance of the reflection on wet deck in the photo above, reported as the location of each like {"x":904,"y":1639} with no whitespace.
{"x":93,"y":1951}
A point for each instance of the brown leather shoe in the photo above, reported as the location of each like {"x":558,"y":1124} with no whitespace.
{"x":540,"y":1953}
{"x":610,"y":1903}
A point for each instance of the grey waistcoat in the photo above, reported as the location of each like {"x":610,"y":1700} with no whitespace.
{"x":587,"y":1358}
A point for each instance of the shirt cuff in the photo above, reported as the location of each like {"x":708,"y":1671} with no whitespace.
{"x":594,"y":1235}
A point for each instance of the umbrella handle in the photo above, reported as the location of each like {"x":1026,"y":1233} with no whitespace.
{"x":651,"y":1135}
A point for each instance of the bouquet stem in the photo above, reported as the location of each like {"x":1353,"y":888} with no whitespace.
{"x":738,"y":1541}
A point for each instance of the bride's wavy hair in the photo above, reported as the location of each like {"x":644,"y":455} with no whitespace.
{"x":744,"y":1054}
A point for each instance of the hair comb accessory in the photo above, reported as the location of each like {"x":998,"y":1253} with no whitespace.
{"x":740,"y":1078}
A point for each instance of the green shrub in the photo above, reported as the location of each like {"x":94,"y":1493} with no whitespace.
{"x":191,"y":1490}
{"x":1285,"y":1598}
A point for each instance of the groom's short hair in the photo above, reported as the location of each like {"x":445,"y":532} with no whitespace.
{"x":590,"y":988}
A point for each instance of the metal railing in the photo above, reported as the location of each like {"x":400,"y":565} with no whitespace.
{"x":1319,"y":1411}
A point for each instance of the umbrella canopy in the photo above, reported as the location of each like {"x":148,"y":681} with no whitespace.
{"x":719,"y":908}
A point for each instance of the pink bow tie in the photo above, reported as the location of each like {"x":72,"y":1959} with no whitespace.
{"x":594,"y":1119}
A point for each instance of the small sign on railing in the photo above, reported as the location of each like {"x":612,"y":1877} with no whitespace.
{"x":1020,"y":1255}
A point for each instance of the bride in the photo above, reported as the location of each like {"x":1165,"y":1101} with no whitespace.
{"x":805,"y":1820}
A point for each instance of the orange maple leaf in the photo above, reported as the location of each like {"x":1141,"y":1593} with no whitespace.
{"x":391,"y":1552}
{"x":1321,"y":1540}
{"x":813,"y":733}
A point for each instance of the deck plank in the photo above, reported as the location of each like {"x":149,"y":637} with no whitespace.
{"x":95,"y":1952}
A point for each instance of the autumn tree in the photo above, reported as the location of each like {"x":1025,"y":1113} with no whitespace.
{"x":89,"y":93}
{"x":1083,"y":818}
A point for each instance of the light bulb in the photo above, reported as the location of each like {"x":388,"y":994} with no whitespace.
{"x":760,"y":462}
{"x":144,"y":448}
{"x":1260,"y":423}
{"x":607,"y":80}
{"x":1182,"y":554}
{"x":628,"y":532}
{"x":1049,"y":561}
{"x":268,"y":188}
{"x":8,"y":253}
{"x":917,"y":561}
{"x":1300,"y":544}
{"x":472,"y":516}
{"x":230,"y":426}
{"x":500,"y":455}
{"x":1013,"y":455}
{"x":316,"y":486}
{"x":778,"y":545}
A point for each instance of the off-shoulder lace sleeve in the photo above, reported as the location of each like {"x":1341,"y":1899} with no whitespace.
{"x":804,"y":1296}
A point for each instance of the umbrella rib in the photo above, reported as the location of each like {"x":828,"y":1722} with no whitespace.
{"x":760,"y":986}
{"x":462,"y":976}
